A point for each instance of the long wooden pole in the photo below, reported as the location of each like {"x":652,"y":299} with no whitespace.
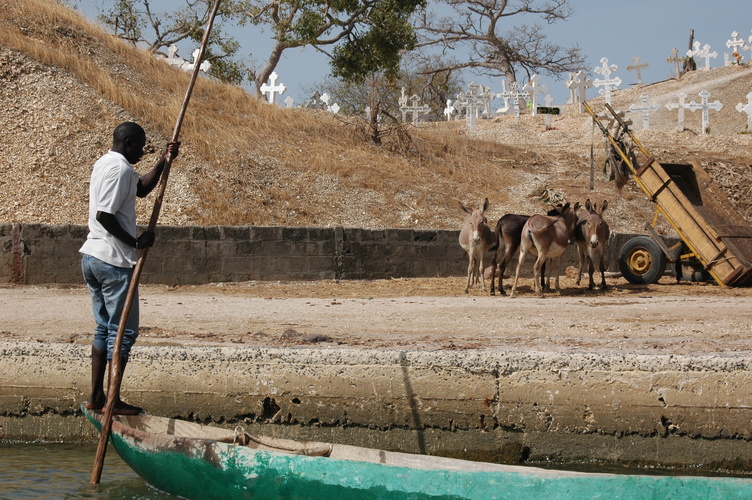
{"x":113,"y":392}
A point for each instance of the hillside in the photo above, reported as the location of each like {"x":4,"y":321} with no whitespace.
{"x":64,"y":85}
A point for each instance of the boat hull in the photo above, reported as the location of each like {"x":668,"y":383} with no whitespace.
{"x":206,"y":468}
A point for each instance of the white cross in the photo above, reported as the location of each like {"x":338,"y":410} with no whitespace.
{"x":645,"y":109}
{"x":746,"y":108}
{"x":735,"y":44}
{"x":533,"y":87}
{"x":549,"y":101}
{"x":637,"y":67}
{"x":272,"y":88}
{"x":704,"y":105}
{"x":578,"y":85}
{"x":205,"y":65}
{"x":748,"y":47}
{"x":289,"y":101}
{"x":674,"y":58}
{"x":515,"y":94}
{"x":702,"y":53}
{"x":415,"y":108}
{"x":607,"y":82}
{"x":681,"y":106}
{"x":449,"y":110}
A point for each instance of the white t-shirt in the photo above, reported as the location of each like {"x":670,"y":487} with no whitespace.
{"x":113,"y":187}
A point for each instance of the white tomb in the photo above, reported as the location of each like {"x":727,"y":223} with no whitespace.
{"x":533,"y":87}
{"x":681,"y":105}
{"x":271,"y":89}
{"x":578,"y":84}
{"x":607,"y":82}
{"x":705,"y":106}
{"x":746,"y":108}
{"x":645,"y":108}
{"x":702,"y":53}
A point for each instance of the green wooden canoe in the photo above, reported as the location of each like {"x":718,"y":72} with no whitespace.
{"x":204,"y":462}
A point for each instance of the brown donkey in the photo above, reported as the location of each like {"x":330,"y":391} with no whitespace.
{"x":477,"y":239}
{"x":592,"y":234}
{"x":546,"y":236}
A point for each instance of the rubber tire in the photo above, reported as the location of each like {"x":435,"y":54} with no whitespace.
{"x":641,"y":261}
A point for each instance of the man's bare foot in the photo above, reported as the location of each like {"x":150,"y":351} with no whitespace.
{"x":94,"y":405}
{"x":123,"y":408}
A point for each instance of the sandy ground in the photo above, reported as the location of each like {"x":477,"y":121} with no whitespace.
{"x":425,"y":314}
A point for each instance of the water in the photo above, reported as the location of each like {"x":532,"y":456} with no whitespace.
{"x":58,"y":471}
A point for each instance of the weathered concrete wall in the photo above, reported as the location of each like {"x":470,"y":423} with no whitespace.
{"x":498,"y":406}
{"x":36,"y":254}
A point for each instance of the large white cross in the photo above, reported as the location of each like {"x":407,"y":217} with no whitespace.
{"x":681,"y":105}
{"x":703,"y":53}
{"x":273,"y":88}
{"x":607,"y":82}
{"x":471,"y":100}
{"x":704,"y":105}
{"x":645,"y":109}
{"x":515,"y":94}
{"x":534,"y":88}
{"x":549,"y":101}
{"x":674,"y":58}
{"x":746,"y":108}
{"x":637,"y":67}
{"x":735,"y":44}
{"x":578,"y":84}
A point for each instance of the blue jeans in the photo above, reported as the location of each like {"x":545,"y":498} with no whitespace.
{"x":108,"y":286}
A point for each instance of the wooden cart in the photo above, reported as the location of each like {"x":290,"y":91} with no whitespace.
{"x":715,"y":238}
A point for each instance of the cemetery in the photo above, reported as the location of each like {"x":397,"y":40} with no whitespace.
{"x":637,"y":374}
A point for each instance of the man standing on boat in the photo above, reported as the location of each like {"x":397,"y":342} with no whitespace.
{"x":110,"y":250}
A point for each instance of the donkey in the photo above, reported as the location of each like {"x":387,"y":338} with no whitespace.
{"x":546,"y":236}
{"x":592,"y":234}
{"x":477,"y":239}
{"x":509,"y":234}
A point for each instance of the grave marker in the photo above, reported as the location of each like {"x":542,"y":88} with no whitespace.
{"x":471,"y":99}
{"x":746,"y":108}
{"x":534,"y":88}
{"x":271,"y":89}
{"x":607,"y":83}
{"x":578,"y":85}
{"x":414,"y":108}
{"x":514,"y":94}
{"x":332,"y":108}
{"x":548,"y":110}
{"x":704,"y":105}
{"x":450,"y":110}
{"x":315,"y":102}
{"x":289,"y":101}
{"x":675,"y":59}
{"x":681,"y":105}
{"x":703,"y":53}
{"x":645,"y":109}
{"x":735,"y":44}
{"x":637,"y":67}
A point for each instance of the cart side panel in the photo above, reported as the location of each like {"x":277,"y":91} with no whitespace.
{"x":683,"y":196}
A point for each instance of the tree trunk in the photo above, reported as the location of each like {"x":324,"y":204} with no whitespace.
{"x":263,"y":75}
{"x":374,"y":117}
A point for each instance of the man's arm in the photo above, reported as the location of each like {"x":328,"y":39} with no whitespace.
{"x":149,"y":181}
{"x":111,"y":224}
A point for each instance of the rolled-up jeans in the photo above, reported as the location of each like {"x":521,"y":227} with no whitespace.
{"x":108,"y":286}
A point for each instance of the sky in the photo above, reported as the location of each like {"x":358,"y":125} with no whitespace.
{"x":617,"y":30}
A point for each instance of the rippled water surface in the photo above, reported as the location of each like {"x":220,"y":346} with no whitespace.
{"x":63,"y":471}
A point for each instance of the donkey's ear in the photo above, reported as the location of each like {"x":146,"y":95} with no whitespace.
{"x":463,"y":207}
{"x":576,"y":206}
{"x":587,"y":204}
{"x":604,"y":206}
{"x":485,"y":204}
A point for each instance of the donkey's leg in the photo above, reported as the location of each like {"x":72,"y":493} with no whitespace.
{"x":581,"y":255}
{"x":469,"y":271}
{"x":591,"y":270}
{"x":537,"y":273}
{"x":602,"y":268}
{"x":523,"y":254}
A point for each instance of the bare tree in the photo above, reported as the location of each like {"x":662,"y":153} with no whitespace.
{"x":495,"y":45}
{"x":137,"y":22}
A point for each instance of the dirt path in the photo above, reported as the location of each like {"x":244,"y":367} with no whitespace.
{"x":431,"y":314}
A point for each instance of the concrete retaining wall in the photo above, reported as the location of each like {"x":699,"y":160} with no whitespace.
{"x":497,"y":406}
{"x":37,"y":254}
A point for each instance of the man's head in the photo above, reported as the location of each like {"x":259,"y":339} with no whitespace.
{"x":129,"y":140}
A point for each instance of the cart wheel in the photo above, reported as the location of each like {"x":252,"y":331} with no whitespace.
{"x":641,"y":261}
